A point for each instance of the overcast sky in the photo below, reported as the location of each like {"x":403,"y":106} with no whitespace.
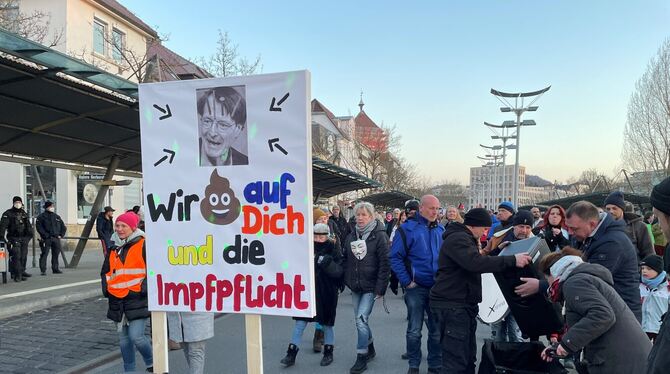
{"x":428,"y":67}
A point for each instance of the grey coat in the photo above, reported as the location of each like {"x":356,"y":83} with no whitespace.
{"x":601,"y":323}
{"x":190,"y":327}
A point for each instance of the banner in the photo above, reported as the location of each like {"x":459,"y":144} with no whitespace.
{"x":228,"y":188}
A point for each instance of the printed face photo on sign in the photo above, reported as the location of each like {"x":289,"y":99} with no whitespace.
{"x":222,"y":126}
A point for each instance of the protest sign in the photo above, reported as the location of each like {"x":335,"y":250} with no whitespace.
{"x":227,"y":184}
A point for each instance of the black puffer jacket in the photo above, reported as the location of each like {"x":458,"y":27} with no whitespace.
{"x":135,"y":304}
{"x":328,"y":275}
{"x":371,"y":274}
{"x":459,"y":267}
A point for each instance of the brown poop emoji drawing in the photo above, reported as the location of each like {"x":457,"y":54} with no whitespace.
{"x":220,"y":206}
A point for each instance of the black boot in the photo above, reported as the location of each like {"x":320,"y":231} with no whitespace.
{"x":327,"y":355}
{"x":371,"y":351}
{"x":317,"y":342}
{"x":360,"y":365}
{"x":292,"y":351}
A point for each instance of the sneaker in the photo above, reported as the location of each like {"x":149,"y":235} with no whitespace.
{"x":57,"y":271}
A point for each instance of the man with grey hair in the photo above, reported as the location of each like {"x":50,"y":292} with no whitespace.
{"x":414,"y":261}
{"x":603,"y":241}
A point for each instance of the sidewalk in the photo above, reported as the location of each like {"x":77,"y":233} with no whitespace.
{"x":41,"y":292}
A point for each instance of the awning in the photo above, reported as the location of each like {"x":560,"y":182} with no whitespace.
{"x":330,"y":180}
{"x":388,"y":199}
{"x":597,"y":198}
{"x":57,"y":108}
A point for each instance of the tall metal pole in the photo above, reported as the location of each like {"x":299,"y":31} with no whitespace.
{"x":516,"y":161}
{"x":504,"y":186}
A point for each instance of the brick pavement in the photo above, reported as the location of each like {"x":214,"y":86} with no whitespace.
{"x":52,"y":340}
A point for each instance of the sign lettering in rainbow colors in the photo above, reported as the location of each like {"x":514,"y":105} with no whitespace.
{"x":228,"y":188}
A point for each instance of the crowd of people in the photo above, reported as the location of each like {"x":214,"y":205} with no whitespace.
{"x":606,"y":272}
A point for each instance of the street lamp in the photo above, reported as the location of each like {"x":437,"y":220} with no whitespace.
{"x":518,"y":108}
{"x":504,"y":130}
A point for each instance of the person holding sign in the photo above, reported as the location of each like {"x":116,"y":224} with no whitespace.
{"x":367,"y":271}
{"x":124,"y":284}
{"x":222,"y":119}
{"x":328,"y":272}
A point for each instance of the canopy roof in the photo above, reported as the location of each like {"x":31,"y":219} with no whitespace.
{"x":388,"y":199}
{"x":55,"y":107}
{"x":597,"y":198}
{"x":330,"y":180}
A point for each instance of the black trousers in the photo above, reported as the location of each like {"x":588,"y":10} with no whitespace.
{"x":18,"y":255}
{"x":52,"y":244}
{"x":458,"y":325}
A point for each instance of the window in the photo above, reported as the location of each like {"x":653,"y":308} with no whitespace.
{"x":99,"y":35}
{"x":118,"y":44}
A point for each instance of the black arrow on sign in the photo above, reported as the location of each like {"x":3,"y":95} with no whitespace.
{"x":170,"y":152}
{"x":164,"y":111}
{"x":274,"y":141}
{"x":274,"y":108}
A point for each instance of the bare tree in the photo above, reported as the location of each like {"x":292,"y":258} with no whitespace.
{"x":596,"y":181}
{"x":226,"y":60}
{"x":34,"y":26}
{"x":647,"y":134}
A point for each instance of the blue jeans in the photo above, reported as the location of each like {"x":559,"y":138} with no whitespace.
{"x":299,"y":329}
{"x":417,"y":301}
{"x":363,"y":303}
{"x":131,"y":336}
{"x":507,"y":330}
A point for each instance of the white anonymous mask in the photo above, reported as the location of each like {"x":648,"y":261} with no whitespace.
{"x":359,"y":248}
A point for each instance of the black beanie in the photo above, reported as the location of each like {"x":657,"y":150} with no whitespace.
{"x":653,"y":261}
{"x":478,"y":217}
{"x":616,"y":198}
{"x":16,"y":198}
{"x":48,"y":204}
{"x":660,"y":196}
{"x":523,"y":217}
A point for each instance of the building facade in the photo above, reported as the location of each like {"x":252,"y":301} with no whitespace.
{"x":107,"y":35}
{"x":488,"y":188}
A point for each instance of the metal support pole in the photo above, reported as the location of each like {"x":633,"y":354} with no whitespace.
{"x":504,"y":186}
{"x":516,"y":161}
{"x":44,"y":196}
{"x":95,"y":209}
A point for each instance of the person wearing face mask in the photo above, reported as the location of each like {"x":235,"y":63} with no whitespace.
{"x":52,"y":230}
{"x":19,"y":231}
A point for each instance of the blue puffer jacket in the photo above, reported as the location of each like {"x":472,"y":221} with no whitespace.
{"x":424,"y":244}
{"x":611,"y":248}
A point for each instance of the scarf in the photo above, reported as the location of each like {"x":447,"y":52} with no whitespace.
{"x":561,"y":270}
{"x":365,"y":231}
{"x":118,"y":242}
{"x":654,"y":282}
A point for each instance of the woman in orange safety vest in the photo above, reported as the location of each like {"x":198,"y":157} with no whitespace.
{"x":124,"y":284}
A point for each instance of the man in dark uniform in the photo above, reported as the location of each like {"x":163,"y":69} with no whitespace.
{"x":15,"y":222}
{"x":51,"y":229}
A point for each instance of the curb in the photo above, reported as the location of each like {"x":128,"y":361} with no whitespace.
{"x":39,"y":304}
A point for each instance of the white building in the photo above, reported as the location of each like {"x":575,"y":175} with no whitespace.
{"x":488,"y":189}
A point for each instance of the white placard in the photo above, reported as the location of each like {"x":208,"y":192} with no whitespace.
{"x":228,"y":189}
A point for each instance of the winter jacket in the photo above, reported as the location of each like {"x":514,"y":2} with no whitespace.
{"x":458,"y":279}
{"x":328,"y":277}
{"x":611,"y":248}
{"x":16,"y":223}
{"x":654,"y":306}
{"x":105,"y":228}
{"x":342,"y":227}
{"x":659,"y":359}
{"x":638,"y":233}
{"x":50,"y":225}
{"x":555,"y":242}
{"x":424,"y":240}
{"x":371,"y":273}
{"x":389,"y":226}
{"x":190,"y":327}
{"x":135,"y":304}
{"x":600,"y":323}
